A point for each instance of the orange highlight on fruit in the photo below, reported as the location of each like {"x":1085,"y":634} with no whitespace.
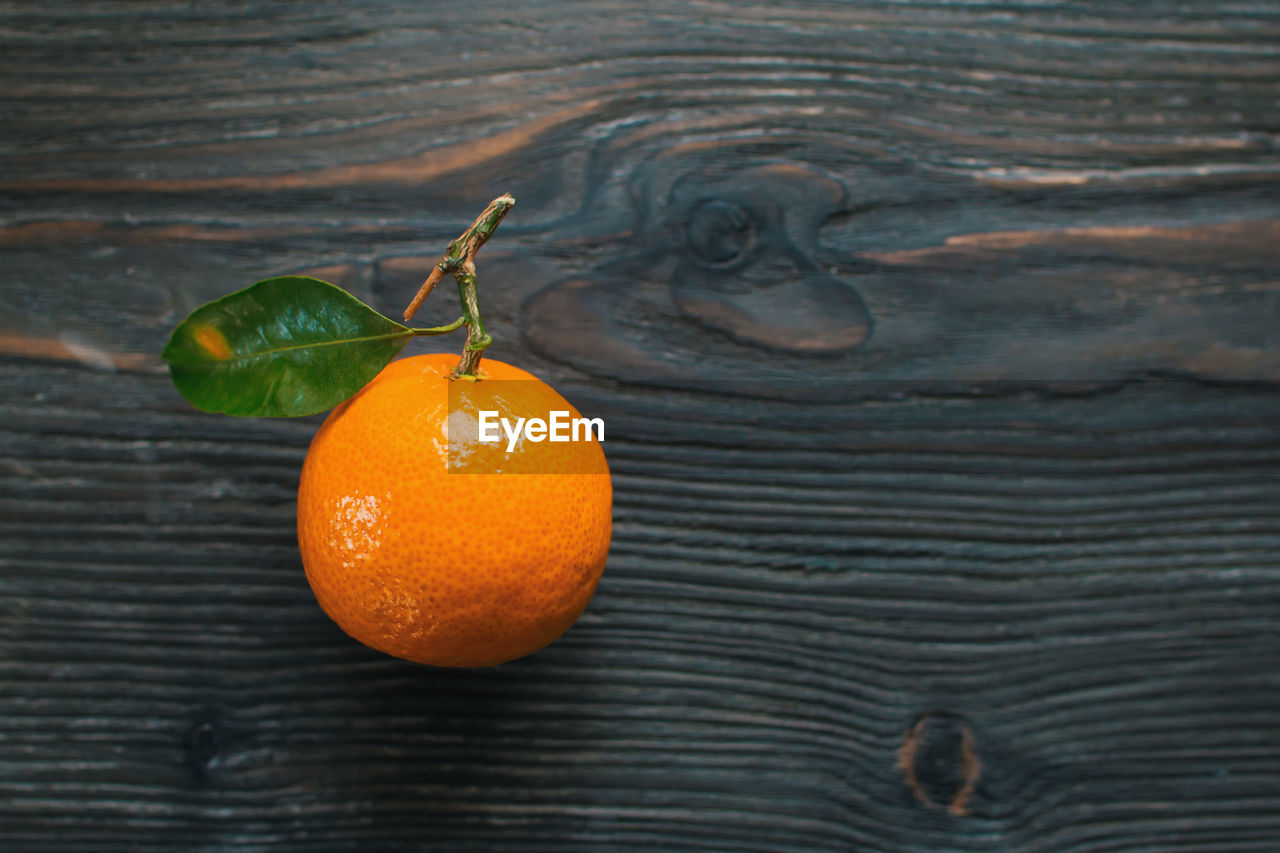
{"x":451,"y":569}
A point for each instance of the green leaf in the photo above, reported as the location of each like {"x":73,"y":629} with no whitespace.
{"x":284,"y":347}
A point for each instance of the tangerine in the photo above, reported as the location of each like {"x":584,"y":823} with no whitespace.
{"x":413,"y":556}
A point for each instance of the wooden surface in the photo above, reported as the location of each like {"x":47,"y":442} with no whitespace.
{"x":938,"y":346}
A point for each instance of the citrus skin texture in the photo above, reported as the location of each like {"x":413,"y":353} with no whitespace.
{"x":451,"y":569}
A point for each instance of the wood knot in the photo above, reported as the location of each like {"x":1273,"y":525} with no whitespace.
{"x":720,"y":233}
{"x":939,"y":762}
{"x":720,"y":274}
{"x":751,"y":235}
{"x":202,"y":746}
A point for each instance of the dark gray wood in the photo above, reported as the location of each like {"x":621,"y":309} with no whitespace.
{"x":938,"y":350}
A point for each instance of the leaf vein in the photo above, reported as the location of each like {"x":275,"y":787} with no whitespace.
{"x":275,"y":350}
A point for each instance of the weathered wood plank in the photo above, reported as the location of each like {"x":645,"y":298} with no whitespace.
{"x":1088,"y":583}
{"x":938,"y":348}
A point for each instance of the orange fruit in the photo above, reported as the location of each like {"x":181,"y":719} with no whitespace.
{"x":438,"y":565}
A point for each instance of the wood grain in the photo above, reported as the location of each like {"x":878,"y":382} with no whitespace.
{"x":938,"y":350}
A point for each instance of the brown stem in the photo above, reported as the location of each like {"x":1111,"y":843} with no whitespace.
{"x":423,"y":292}
{"x":460,"y":260}
{"x":477,"y":339}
